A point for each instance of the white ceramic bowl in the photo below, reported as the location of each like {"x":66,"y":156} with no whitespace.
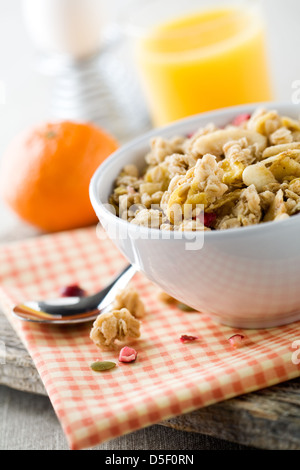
{"x":245,"y":278}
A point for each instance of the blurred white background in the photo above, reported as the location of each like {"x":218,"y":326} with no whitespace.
{"x":28,"y":94}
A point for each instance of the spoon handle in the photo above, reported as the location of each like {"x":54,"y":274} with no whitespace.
{"x":109,"y":293}
{"x":31,"y":311}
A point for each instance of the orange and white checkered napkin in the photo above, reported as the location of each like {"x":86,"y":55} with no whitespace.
{"x":168,"y":378}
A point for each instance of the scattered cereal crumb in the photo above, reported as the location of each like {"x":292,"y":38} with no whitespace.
{"x":114,"y":325}
{"x":166,"y":298}
{"x":185,"y":308}
{"x":129,"y":298}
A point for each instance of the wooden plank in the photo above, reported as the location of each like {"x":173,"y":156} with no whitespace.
{"x":268,"y":419}
{"x":16,"y":367}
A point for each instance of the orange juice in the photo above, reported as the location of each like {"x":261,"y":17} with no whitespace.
{"x":208,"y":60}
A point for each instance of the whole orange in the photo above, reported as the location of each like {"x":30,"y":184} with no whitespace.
{"x":46,"y":172}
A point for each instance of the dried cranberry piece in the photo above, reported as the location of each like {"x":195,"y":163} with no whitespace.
{"x":127,"y":355}
{"x":190,"y":135}
{"x":240,"y":119}
{"x":209,"y":219}
{"x":188,"y":339}
{"x":72,"y":291}
{"x":236,"y":341}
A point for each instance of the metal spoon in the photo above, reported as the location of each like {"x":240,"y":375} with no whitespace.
{"x":67,"y":310}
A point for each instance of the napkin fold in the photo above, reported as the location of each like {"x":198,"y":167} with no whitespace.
{"x":169,"y":377}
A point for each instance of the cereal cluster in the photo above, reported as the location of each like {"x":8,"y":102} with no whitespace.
{"x":114,"y":325}
{"x":218,"y":178}
{"x":121,"y":322}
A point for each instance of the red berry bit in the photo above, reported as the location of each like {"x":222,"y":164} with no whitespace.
{"x":190,"y":135}
{"x":237,"y":341}
{"x":209,"y":219}
{"x":127,"y":355}
{"x":240,"y":119}
{"x":72,"y":291}
{"x":188,"y":339}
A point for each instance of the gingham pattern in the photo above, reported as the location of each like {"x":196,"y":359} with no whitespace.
{"x":169,"y":378}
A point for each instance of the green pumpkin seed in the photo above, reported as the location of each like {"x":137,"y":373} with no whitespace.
{"x":185,"y":308}
{"x":102,"y":366}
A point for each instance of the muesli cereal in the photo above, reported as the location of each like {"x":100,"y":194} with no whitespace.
{"x":129,"y":298}
{"x":216,"y":179}
{"x":114,"y":325}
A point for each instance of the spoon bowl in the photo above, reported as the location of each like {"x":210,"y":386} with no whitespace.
{"x":66,"y":310}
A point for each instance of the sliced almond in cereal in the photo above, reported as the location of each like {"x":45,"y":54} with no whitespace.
{"x":258,"y":175}
{"x":213,"y":143}
{"x":277,"y":149}
{"x":291,"y":124}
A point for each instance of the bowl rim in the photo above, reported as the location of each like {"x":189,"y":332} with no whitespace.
{"x":185,"y":235}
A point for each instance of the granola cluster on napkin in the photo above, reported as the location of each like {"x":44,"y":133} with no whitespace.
{"x":122,"y":322}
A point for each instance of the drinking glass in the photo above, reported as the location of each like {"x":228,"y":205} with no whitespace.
{"x":196,"y":55}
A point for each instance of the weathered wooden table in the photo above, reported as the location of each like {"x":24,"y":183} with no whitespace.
{"x":268,"y":419}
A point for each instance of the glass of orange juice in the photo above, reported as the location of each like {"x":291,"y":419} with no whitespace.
{"x":194,"y":55}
